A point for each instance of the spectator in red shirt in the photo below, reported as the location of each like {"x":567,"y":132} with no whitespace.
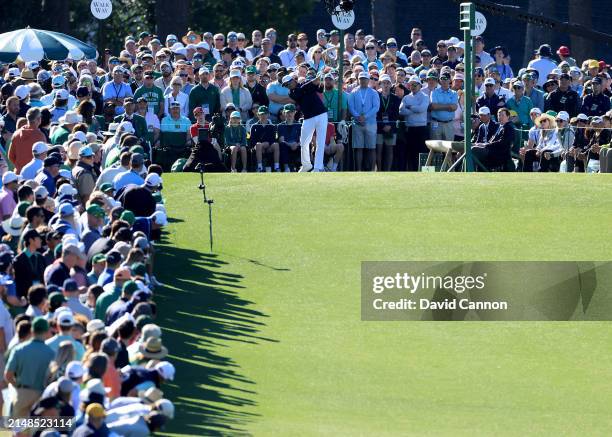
{"x":20,"y":152}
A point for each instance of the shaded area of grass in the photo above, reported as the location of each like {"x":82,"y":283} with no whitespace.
{"x":201,"y":313}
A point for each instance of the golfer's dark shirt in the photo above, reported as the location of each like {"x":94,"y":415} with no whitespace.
{"x":307,"y":97}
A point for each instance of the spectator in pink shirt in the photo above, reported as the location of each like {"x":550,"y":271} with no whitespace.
{"x":7,"y":194}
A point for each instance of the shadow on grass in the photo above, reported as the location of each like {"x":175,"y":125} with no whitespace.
{"x":201,"y":312}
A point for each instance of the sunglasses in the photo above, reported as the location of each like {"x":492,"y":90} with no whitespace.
{"x":241,"y":39}
{"x":370,"y":48}
{"x":218,"y":39}
{"x":441,"y":46}
{"x":183,"y":75}
{"x":375,"y":79}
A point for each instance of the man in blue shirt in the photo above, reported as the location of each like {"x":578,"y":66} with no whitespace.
{"x":116,"y":90}
{"x":443,"y":106}
{"x":132,"y":176}
{"x":363,"y":104}
{"x":113,"y":259}
{"x":39,"y":153}
{"x":46,"y":177}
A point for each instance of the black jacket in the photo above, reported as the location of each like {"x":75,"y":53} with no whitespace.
{"x":501,"y":144}
{"x":28,"y":270}
{"x":490,"y":102}
{"x":563,"y":101}
{"x":486,"y":132}
{"x":391,"y":111}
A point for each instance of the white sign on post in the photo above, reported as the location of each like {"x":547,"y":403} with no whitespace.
{"x":343,"y":19}
{"x":101,"y":9}
{"x":480,"y":24}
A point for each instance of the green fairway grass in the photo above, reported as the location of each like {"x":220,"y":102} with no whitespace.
{"x":266,"y":333}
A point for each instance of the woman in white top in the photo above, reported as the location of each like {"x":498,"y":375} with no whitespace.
{"x":176,"y":95}
{"x":546,"y":156}
{"x":237,"y":94}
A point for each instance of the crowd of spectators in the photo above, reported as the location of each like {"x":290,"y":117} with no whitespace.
{"x":226,"y":92}
{"x":84,"y":144}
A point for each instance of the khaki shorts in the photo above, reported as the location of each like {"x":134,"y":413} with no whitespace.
{"x":387,"y":141}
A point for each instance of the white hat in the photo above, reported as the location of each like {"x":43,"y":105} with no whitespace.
{"x":180,"y":51}
{"x":582,"y":117}
{"x":458,"y":76}
{"x":165,"y":407}
{"x":74,"y":370}
{"x":286,"y":79}
{"x":70,"y":117}
{"x":159,"y":218}
{"x":563,"y":115}
{"x":39,"y":147}
{"x":489,"y":81}
{"x":126,"y":126}
{"x":95,"y":325}
{"x":62,"y":94}
{"x":41,"y":192}
{"x":414,"y":79}
{"x":22,"y":91}
{"x":171,"y":36}
{"x":203,"y":45}
{"x":460,"y":45}
{"x":65,"y":318}
{"x":66,"y":190}
{"x":176,"y":46}
{"x":484,"y":110}
{"x":236,"y":73}
{"x":364,"y":75}
{"x":153,"y":180}
{"x":13,"y":225}
{"x":535,"y":110}
{"x":14,"y":71}
{"x":118,"y":69}
{"x":166,"y":370}
{"x":9,"y":177}
{"x":79,"y":136}
{"x":32,"y":65}
{"x":452,"y":41}
{"x":385,"y":77}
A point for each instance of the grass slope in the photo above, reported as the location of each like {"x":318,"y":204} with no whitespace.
{"x":267,"y":336}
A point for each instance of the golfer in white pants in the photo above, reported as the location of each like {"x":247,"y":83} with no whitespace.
{"x":315,"y":119}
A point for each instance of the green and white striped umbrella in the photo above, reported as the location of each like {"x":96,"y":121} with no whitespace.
{"x":36,"y":45}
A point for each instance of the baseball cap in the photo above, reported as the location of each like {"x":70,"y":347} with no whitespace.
{"x":95,"y":325}
{"x":22,"y":91}
{"x":489,"y":81}
{"x":65,"y":385}
{"x":154,"y":180}
{"x":235,"y":114}
{"x":86,"y":152}
{"x":109,"y":346}
{"x":536,"y":110}
{"x":96,"y":210}
{"x":484,"y":110}
{"x":95,"y":411}
{"x":40,"y":325}
{"x":66,"y":209}
{"x":166,"y":370}
{"x":159,"y":218}
{"x":235,"y":73}
{"x":263,"y":109}
{"x":414,"y":79}
{"x":70,"y":285}
{"x":65,"y":318}
{"x":596,"y":80}
{"x":364,"y":75}
{"x":251,"y":69}
{"x":9,"y":177}
{"x":39,"y":147}
{"x":385,"y":77}
{"x":289,"y":107}
{"x":286,"y":79}
{"x":563,"y":115}
{"x":582,"y":117}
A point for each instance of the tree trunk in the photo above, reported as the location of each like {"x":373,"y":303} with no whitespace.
{"x":581,"y":12}
{"x":172,"y":17}
{"x":383,"y":18}
{"x":537,"y":35}
{"x":55,"y":15}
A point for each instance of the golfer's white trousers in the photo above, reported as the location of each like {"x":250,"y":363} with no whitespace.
{"x":311,"y":125}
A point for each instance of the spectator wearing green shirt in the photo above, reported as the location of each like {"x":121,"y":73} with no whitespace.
{"x":138,"y":122}
{"x":112,"y":291}
{"x":153,"y":95}
{"x":235,"y":139}
{"x":67,"y":122}
{"x":330,"y":98}
{"x":27,"y":368}
{"x":65,"y":321}
{"x":205,"y":95}
{"x":521,"y":104}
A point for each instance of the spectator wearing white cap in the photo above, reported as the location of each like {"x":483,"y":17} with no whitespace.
{"x":7,"y":194}
{"x":565,"y":134}
{"x":65,"y":320}
{"x":237,"y":94}
{"x":39,"y":153}
{"x":487,"y":127}
{"x":414,"y":110}
{"x":386,"y":118}
{"x":116,"y":90}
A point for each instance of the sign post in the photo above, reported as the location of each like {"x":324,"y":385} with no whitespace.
{"x":342,"y":20}
{"x":466,"y":23}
